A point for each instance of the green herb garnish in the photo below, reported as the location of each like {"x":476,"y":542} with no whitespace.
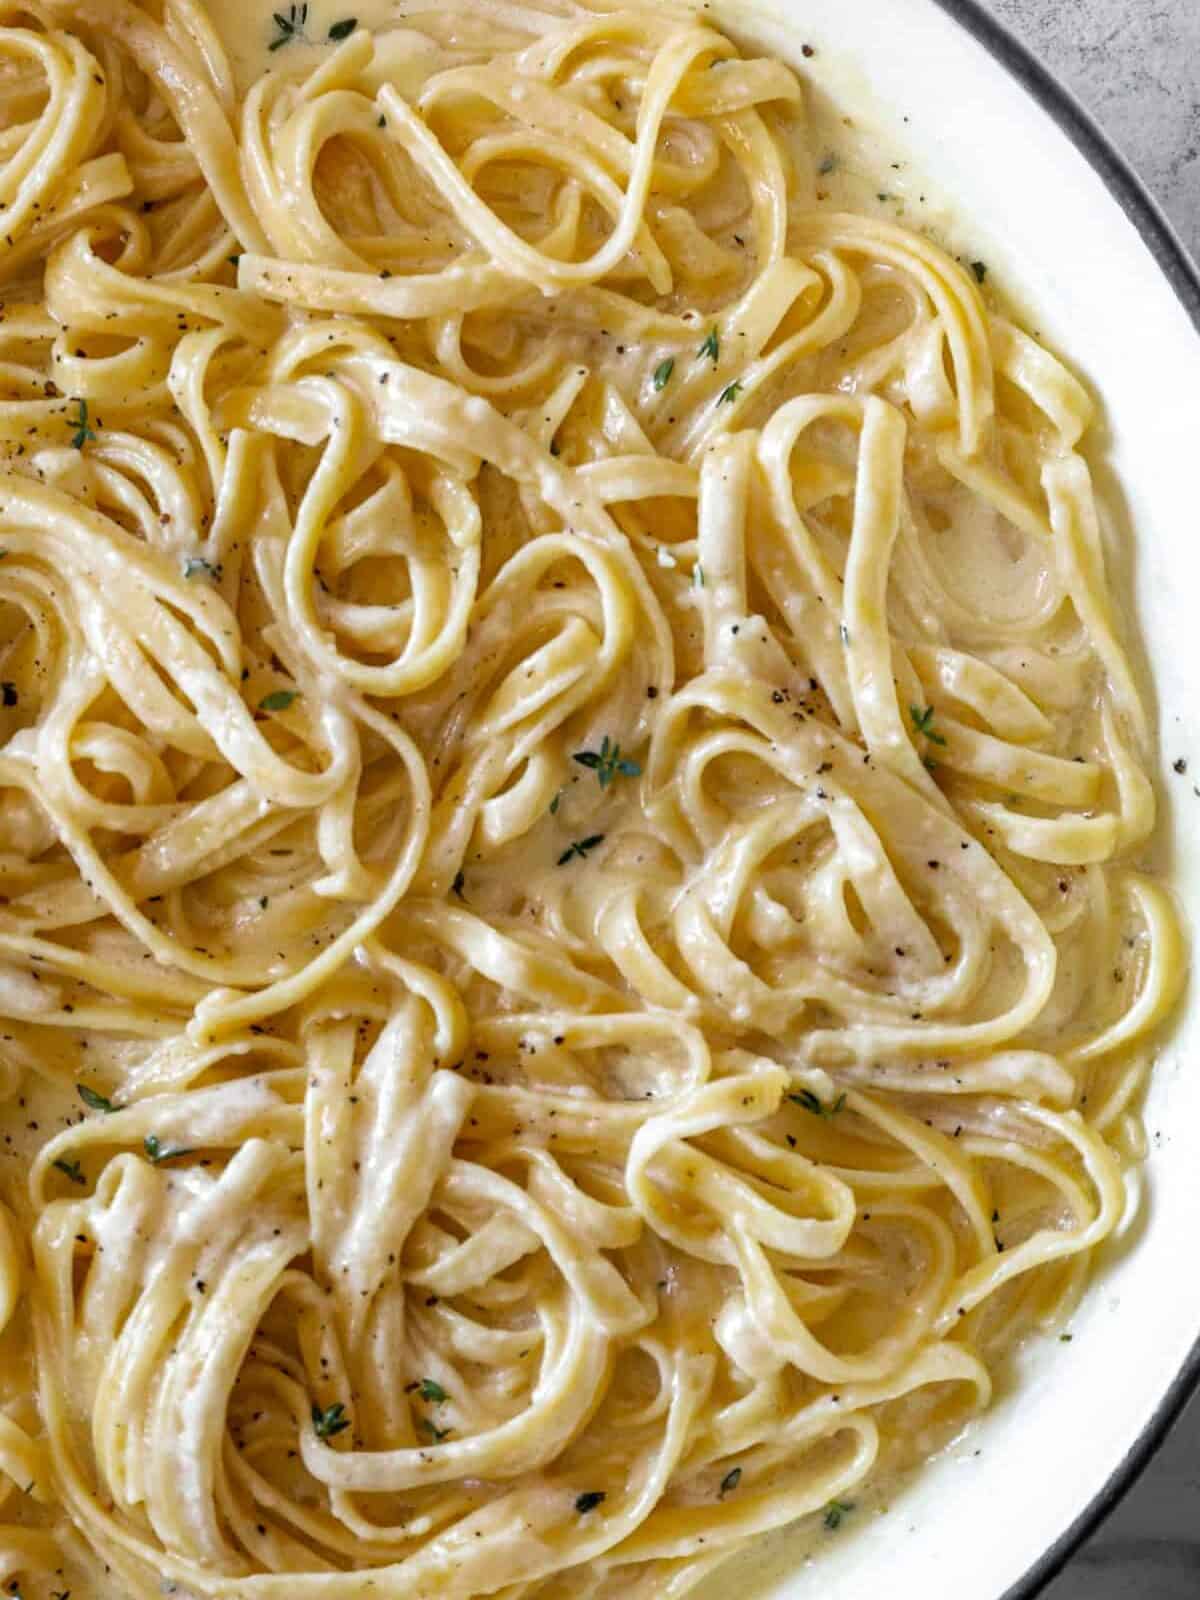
{"x":194,"y":564}
{"x":580,"y":848}
{"x":277,"y":700}
{"x":457,"y":886}
{"x":979,"y":268}
{"x":83,"y":431}
{"x":331,"y":1421}
{"x":711,"y":347}
{"x":810,"y":1102}
{"x":836,"y":1512}
{"x":343,"y":29}
{"x":435,"y":1433}
{"x":729,"y":394}
{"x":589,"y":1501}
{"x":608,"y":763}
{"x":72,"y":1169}
{"x":156,"y":1153}
{"x":432,"y":1391}
{"x":555,"y":803}
{"x":828,"y":165}
{"x":923,"y":723}
{"x":290,"y":26}
{"x":698,"y":576}
{"x":662,"y":373}
{"x":94,"y":1101}
{"x":730,"y":1481}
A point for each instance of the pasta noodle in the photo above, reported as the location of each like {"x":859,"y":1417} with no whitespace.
{"x":575,"y":954}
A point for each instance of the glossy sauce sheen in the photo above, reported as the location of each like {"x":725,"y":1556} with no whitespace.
{"x":575,"y":962}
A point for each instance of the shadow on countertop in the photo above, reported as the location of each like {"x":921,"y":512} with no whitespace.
{"x":1149,"y":1549}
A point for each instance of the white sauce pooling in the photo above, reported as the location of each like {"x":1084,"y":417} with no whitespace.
{"x":573,"y":960}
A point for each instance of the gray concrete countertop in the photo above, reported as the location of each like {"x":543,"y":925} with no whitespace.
{"x":1136,"y":65}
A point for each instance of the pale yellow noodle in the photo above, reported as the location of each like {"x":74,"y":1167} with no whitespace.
{"x":576,"y":962}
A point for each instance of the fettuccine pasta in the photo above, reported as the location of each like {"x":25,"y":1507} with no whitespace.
{"x":576,"y":960}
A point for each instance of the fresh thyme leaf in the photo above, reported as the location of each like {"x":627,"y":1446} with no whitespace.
{"x":979,"y":268}
{"x":608,"y":763}
{"x":194,"y":564}
{"x":94,"y":1101}
{"x":711,"y":347}
{"x":433,"y":1392}
{"x":813,"y":1103}
{"x":555,"y":803}
{"x":83,"y":432}
{"x":589,"y":1501}
{"x":828,"y":165}
{"x":730,"y":1481}
{"x":290,"y":26}
{"x":72,"y":1169}
{"x":580,"y":848}
{"x":343,"y":29}
{"x":729,"y":394}
{"x":435,"y":1433}
{"x":277,"y":700}
{"x":156,"y":1153}
{"x":836,"y":1512}
{"x":333,"y":1420}
{"x":234,"y":259}
{"x":663,"y":371}
{"x":698,"y":576}
{"x":923,"y":723}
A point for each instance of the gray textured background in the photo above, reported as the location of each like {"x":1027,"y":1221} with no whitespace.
{"x":1136,"y":65}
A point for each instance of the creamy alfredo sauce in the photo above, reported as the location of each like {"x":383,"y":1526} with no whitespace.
{"x":575,"y":965}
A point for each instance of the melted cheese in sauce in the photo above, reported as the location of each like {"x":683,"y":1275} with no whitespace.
{"x":574,"y":965}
